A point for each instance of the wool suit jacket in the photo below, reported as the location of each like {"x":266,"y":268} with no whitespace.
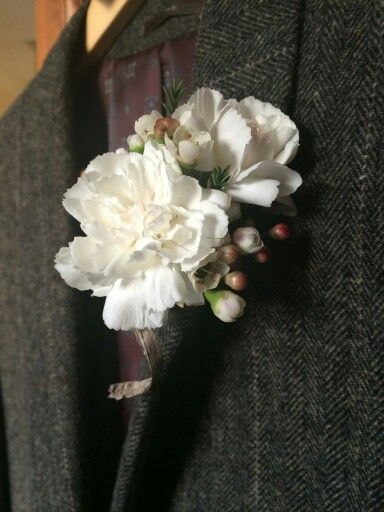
{"x":281,"y":411}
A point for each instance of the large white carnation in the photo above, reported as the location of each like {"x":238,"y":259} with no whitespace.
{"x":147,"y":226}
{"x":253,"y":139}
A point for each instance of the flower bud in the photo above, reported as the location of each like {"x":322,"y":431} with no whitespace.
{"x":247,"y":239}
{"x":263,"y":255}
{"x":165,"y":125}
{"x":135,"y":143}
{"x":229,"y":254}
{"x":279,"y":232}
{"x":188,"y":152}
{"x":226,"y":305}
{"x":236,"y":280}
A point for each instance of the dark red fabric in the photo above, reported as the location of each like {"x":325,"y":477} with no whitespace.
{"x":132,"y":86}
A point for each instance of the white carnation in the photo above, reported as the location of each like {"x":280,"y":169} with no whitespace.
{"x":253,"y":139}
{"x":146,"y":227}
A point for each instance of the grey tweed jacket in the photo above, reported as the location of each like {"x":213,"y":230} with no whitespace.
{"x":280,"y":412}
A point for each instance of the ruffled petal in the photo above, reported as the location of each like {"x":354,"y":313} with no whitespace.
{"x":106,"y":164}
{"x":289,"y":180}
{"x":231,"y":135}
{"x":207,"y":104}
{"x":65,"y":265}
{"x":253,"y":190}
{"x":288,"y":153}
{"x":141,"y":303}
{"x":220,"y":198}
{"x":276,"y":135}
{"x":90,"y":256}
{"x":186,"y":192}
{"x":125,"y":307}
{"x":188,"y":152}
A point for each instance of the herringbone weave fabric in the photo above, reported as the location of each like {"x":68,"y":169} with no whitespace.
{"x":280,"y":412}
{"x":284,"y":411}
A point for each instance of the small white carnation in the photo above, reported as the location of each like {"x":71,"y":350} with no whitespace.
{"x":252,"y":139}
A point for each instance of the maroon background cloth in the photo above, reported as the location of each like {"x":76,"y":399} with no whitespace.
{"x":132,"y":86}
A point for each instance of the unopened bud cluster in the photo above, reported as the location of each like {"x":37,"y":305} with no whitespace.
{"x":245,"y":241}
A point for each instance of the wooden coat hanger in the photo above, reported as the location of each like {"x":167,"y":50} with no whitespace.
{"x":105,"y":19}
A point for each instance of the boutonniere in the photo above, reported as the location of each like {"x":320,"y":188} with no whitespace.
{"x":157,"y":214}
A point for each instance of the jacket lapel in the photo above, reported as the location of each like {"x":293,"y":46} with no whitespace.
{"x":250,"y":48}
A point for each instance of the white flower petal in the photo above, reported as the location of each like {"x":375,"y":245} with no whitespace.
{"x":64,"y":264}
{"x":188,"y":152}
{"x":90,"y":256}
{"x":125,"y":307}
{"x":186,"y":192}
{"x":208,"y":104}
{"x":206,"y":160}
{"x":106,"y":164}
{"x":163,"y":288}
{"x":142,"y":302}
{"x":222,"y":199}
{"x":289,"y":180}
{"x":289,"y":151}
{"x":254,"y":190}
{"x":230,"y":134}
{"x":275,"y":136}
{"x":215,"y":222}
{"x":192,"y":297}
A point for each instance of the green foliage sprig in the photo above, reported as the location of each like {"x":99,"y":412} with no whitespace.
{"x":172,"y":97}
{"x":218,"y":178}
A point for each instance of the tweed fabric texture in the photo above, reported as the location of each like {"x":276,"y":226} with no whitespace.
{"x":284,"y":410}
{"x":280,"y":412}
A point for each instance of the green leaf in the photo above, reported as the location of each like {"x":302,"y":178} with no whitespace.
{"x":172,"y":97}
{"x":218,"y":178}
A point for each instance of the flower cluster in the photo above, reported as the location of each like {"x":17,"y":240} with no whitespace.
{"x":156,"y":216}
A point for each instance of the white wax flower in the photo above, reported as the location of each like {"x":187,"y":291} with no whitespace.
{"x":147,"y":227}
{"x":254,"y":140}
{"x":187,"y":145}
{"x":145,"y":125}
{"x":247,"y":239}
{"x":209,"y":272}
{"x":226,"y":305}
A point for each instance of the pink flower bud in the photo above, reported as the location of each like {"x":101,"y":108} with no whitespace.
{"x":226,"y":305}
{"x":279,"y":232}
{"x":263,"y":255}
{"x":229,"y":254}
{"x":165,"y":125}
{"x":247,"y":239}
{"x":236,"y":280}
